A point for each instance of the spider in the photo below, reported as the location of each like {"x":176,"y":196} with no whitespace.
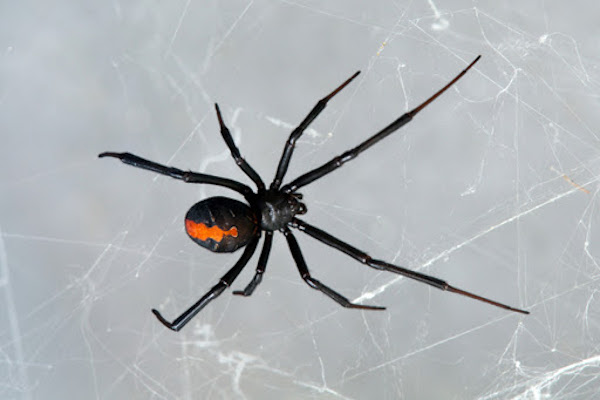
{"x":224,"y":225}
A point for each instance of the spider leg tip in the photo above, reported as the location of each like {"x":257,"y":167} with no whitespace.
{"x":120,"y":156}
{"x":159,"y":316}
{"x":219,"y":117}
{"x":164,"y":321}
{"x":366,"y":307}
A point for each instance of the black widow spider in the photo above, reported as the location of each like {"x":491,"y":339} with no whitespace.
{"x":221,"y":224}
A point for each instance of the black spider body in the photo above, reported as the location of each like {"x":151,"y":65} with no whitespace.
{"x":224,"y":225}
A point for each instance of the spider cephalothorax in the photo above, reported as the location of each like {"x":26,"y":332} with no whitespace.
{"x":277,"y":209}
{"x":221,"y":224}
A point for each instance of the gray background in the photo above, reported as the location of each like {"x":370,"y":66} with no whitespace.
{"x":494,"y":187}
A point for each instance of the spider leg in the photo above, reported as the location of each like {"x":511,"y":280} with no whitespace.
{"x":235,"y":152}
{"x":286,"y":156}
{"x":186,"y":176}
{"x":315,"y":284}
{"x":260,"y":268}
{"x":340,"y":160}
{"x":381,"y":265}
{"x":225,"y":281}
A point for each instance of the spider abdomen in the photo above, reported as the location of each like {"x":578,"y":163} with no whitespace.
{"x":221,"y":224}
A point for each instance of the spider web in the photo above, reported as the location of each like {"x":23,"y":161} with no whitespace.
{"x":494,"y":188}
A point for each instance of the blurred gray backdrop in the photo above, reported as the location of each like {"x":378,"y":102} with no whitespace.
{"x":494,"y":187}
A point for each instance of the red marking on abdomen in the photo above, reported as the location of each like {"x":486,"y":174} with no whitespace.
{"x":202,"y":232}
